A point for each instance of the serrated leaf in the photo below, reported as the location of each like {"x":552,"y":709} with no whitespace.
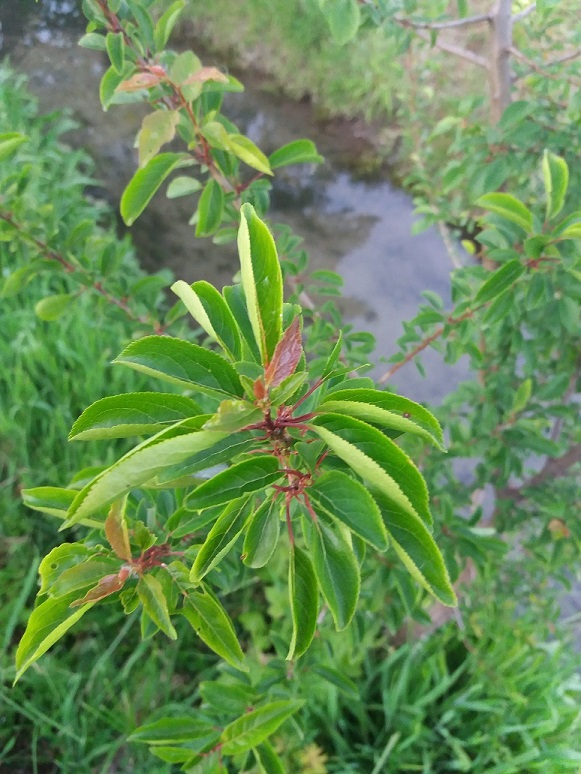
{"x":146,"y":181}
{"x":116,"y":530}
{"x":214,"y":627}
{"x":337,"y":571}
{"x":152,"y":597}
{"x":138,"y":466}
{"x":9,"y":143}
{"x":556,"y":177}
{"x":210,"y":209}
{"x":499,"y":282}
{"x":376,"y":459}
{"x":246,"y":150}
{"x":417,"y":550}
{"x":388,"y":410}
{"x":135,"y":413}
{"x":210,"y":310}
{"x":509,"y":207}
{"x":286,"y":357}
{"x":182,"y":363}
{"x":296,"y":152}
{"x":157,"y":129}
{"x":349,"y":502}
{"x":47,"y":623}
{"x":221,"y":538}
{"x":304,"y":602}
{"x":261,"y":281}
{"x":262,"y":534}
{"x":248,"y":476}
{"x":255,"y":727}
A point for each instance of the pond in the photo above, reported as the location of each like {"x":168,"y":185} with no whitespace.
{"x":359,"y":228}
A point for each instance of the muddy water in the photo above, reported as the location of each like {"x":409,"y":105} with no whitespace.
{"x":359,"y":228}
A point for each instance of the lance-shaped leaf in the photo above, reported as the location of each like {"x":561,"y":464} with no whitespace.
{"x":210,"y":208}
{"x":500,"y":281}
{"x":152,"y":597}
{"x":336,"y":569}
{"x":267,"y":759}
{"x":556,"y":177}
{"x":56,"y":502}
{"x":261,"y":281}
{"x":243,"y":147}
{"x":296,"y":152}
{"x":221,"y":538}
{"x":417,"y":549}
{"x":376,"y":459}
{"x":286,"y":356}
{"x":304,"y":602}
{"x":107,"y":585}
{"x":388,"y":410}
{"x":9,"y":143}
{"x":60,"y":559}
{"x":349,"y":502}
{"x":174,"y":730}
{"x":234,"y":297}
{"x":146,"y":181}
{"x":166,"y":23}
{"x":135,"y":413}
{"x":48,"y":622}
{"x":83,"y":576}
{"x":262,"y":534}
{"x":509,"y":207}
{"x":255,"y":727}
{"x":214,"y":627}
{"x":243,"y":478}
{"x":116,"y":530}
{"x":138,"y":466}
{"x":209,"y":309}
{"x":182,"y":363}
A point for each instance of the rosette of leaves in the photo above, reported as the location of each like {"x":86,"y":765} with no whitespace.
{"x":259,"y":449}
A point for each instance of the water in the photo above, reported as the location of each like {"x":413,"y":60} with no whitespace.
{"x":362,"y":229}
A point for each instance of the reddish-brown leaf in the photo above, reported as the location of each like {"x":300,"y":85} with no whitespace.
{"x":116,"y":530}
{"x":286,"y":355}
{"x":108,"y":585}
{"x":140,"y":81}
{"x":206,"y":74}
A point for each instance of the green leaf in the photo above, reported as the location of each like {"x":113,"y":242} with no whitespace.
{"x":499,"y":282}
{"x":251,"y":475}
{"x":151,"y":596}
{"x":135,"y":413}
{"x":57,"y":561}
{"x":49,"y":499}
{"x":173,"y":730}
{"x":145,"y":182}
{"x":376,"y":459}
{"x":556,"y":177}
{"x":262,"y":534}
{"x":183,"y":186}
{"x":9,"y":143}
{"x":338,"y":679}
{"x":246,"y":150}
{"x":304,"y":602}
{"x":182,"y":363}
{"x":297,"y":152}
{"x":214,"y":627}
{"x":210,"y":209}
{"x":165,"y":25}
{"x":343,"y":18}
{"x":116,"y":50}
{"x":139,"y":466}
{"x":93,"y":41}
{"x":52,"y":307}
{"x":208,"y":308}
{"x":388,"y":410}
{"x":261,"y":281}
{"x":233,"y":416}
{"x":83,"y":576}
{"x":234,"y":297}
{"x":337,"y":571}
{"x":221,"y":538}
{"x":417,"y":550}
{"x":522,"y":396}
{"x":509,"y":207}
{"x":110,"y":81}
{"x":349,"y":502}
{"x":255,"y":727}
{"x":267,"y":759}
{"x":48,"y":622}
{"x":157,"y":129}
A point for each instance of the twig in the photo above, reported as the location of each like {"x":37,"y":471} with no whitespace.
{"x":540,"y":68}
{"x":523,"y":14}
{"x":463,"y":53}
{"x":554,"y":467}
{"x":444,"y":25}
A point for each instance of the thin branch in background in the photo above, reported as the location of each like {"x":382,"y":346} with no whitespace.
{"x":541,"y":68}
{"x":444,"y":25}
{"x":523,"y":14}
{"x":564,"y":58}
{"x":463,"y":53}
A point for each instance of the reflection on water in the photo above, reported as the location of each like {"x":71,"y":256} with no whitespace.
{"x":361,"y":229}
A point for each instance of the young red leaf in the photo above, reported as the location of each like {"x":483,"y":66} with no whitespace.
{"x":107,"y":585}
{"x":140,"y":81}
{"x":286,"y":355}
{"x":206,"y":74}
{"x":116,"y":530}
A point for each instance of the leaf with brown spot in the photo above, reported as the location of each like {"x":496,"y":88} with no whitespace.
{"x":140,"y":81}
{"x":108,"y":585}
{"x":286,"y":355}
{"x":206,"y":74}
{"x":116,"y":530}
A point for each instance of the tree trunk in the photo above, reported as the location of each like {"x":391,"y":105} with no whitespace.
{"x":500,"y":75}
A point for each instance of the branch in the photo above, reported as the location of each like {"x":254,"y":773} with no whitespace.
{"x":554,"y":467}
{"x":522,"y":14}
{"x":483,"y":17}
{"x":564,"y":58}
{"x":540,"y":68}
{"x":463,"y":53}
